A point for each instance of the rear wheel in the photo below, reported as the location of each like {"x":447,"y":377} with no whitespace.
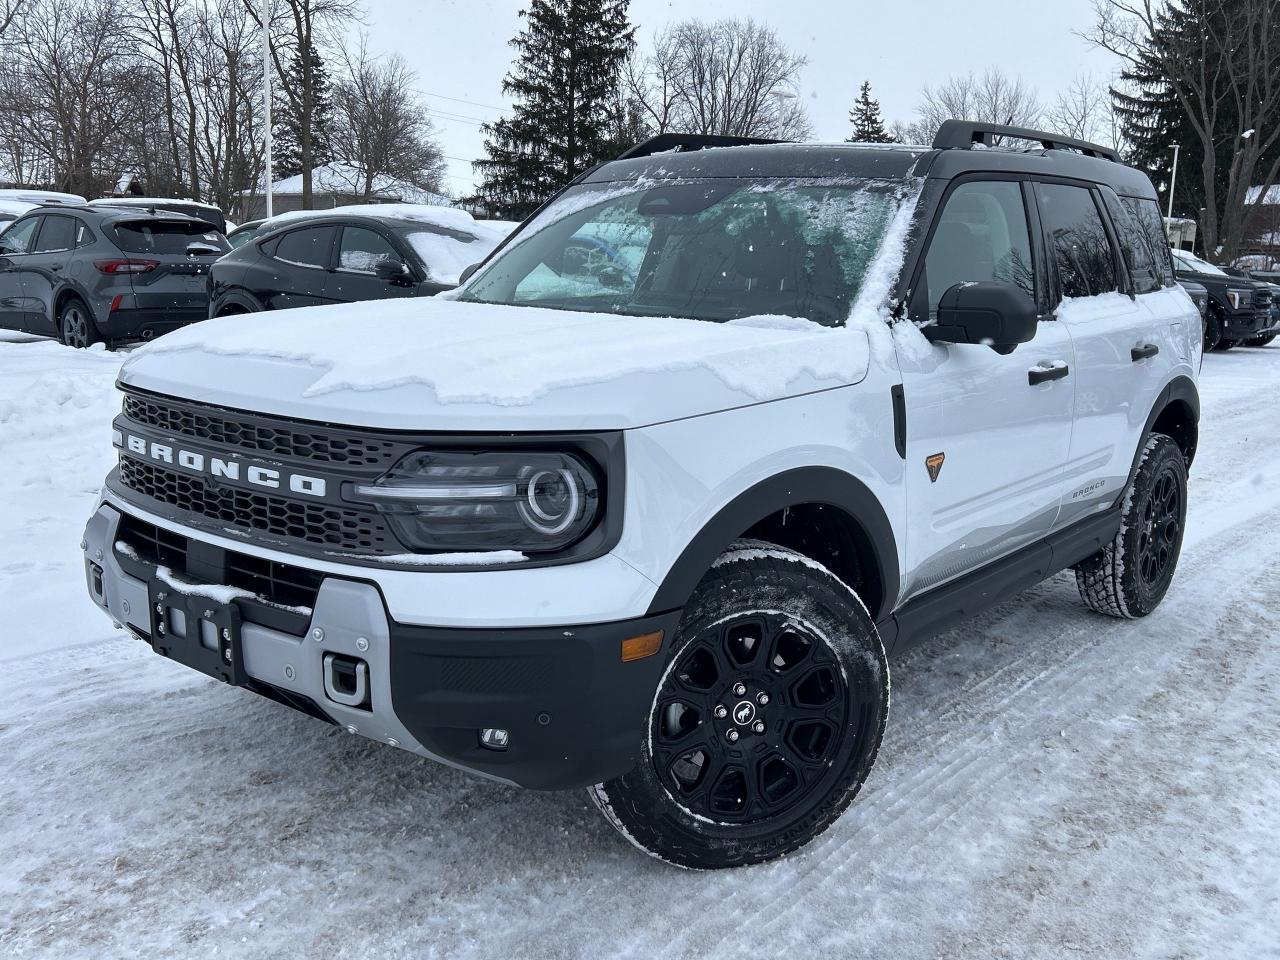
{"x":75,"y":325}
{"x":1130,"y":577}
{"x":766,"y":722}
{"x":1261,"y":341}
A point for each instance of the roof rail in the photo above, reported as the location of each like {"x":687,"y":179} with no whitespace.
{"x":665,"y":142}
{"x":963,"y":134}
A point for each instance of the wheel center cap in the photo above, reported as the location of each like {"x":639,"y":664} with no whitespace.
{"x":744,"y":712}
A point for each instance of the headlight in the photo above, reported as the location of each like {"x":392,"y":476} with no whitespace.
{"x":534,"y":502}
{"x":1239,"y":298}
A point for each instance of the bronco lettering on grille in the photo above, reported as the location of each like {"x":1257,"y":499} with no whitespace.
{"x":256,"y":473}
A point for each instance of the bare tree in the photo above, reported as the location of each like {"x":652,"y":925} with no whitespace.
{"x":990,"y":98}
{"x":8,"y":10}
{"x":297,"y":28}
{"x":382,"y":128}
{"x":1084,"y":111}
{"x":1225,"y":72}
{"x":730,"y":77}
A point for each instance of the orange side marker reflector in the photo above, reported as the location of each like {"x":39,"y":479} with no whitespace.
{"x":645,"y":645}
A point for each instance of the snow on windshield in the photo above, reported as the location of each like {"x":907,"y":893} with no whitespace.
{"x":1191,"y":261}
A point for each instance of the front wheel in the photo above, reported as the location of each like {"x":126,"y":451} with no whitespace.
{"x":75,"y":326}
{"x":766,"y":721}
{"x":1212,"y":328}
{"x":1130,"y":576}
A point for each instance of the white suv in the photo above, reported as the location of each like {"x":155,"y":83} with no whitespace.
{"x":646,"y":502}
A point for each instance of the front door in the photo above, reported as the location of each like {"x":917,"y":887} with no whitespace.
{"x":360,"y":250}
{"x":987,"y":435}
{"x":13,"y":256}
{"x":46,"y":270}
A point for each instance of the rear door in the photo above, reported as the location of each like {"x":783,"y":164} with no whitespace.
{"x":46,"y":270}
{"x":1122,"y":356}
{"x":987,"y":434}
{"x":295,"y":268}
{"x":14,"y":250}
{"x":360,"y":250}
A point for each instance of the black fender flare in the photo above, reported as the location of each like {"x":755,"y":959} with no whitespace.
{"x":237,"y":298}
{"x":824,"y":485}
{"x":1181,"y":389}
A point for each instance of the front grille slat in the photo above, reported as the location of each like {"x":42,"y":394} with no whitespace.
{"x":247,"y":433}
{"x":331,"y":527}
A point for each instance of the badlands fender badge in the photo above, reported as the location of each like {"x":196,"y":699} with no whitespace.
{"x":934,"y":465}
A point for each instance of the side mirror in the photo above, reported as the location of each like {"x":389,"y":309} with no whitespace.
{"x":998,"y":315}
{"x":466,"y":274}
{"x":392,"y":271}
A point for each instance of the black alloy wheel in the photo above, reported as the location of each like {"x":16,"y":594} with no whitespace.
{"x":1161,"y":530}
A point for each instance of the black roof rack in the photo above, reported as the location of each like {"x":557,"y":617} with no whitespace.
{"x":665,"y":142}
{"x":963,"y":134}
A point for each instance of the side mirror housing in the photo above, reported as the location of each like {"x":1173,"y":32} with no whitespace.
{"x":466,"y":274}
{"x":392,"y":271}
{"x":997,"y":315}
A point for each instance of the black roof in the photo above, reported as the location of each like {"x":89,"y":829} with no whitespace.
{"x":961,"y":147}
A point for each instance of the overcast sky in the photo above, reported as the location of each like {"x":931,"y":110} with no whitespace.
{"x":460,"y":51}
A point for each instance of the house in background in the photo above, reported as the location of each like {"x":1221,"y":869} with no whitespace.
{"x":335,"y":185}
{"x":1261,"y":248}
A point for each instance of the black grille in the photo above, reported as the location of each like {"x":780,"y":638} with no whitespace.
{"x":278,"y":583}
{"x":334,"y":528}
{"x":223,"y":427}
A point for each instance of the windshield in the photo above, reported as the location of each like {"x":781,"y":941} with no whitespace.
{"x":706,"y":249}
{"x":1190,"y":261}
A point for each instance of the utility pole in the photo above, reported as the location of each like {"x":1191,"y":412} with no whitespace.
{"x":1173,"y":179}
{"x":266,"y":98}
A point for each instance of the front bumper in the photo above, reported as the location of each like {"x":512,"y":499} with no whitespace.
{"x":1247,"y":325}
{"x":574,"y":711}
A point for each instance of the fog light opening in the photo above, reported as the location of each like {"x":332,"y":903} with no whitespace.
{"x":491,"y":738}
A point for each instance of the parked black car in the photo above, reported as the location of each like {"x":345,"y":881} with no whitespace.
{"x":1266,"y":338}
{"x":243,"y":233}
{"x":188,"y":208}
{"x":1198,"y":294}
{"x":362,"y":253}
{"x":88,"y":274}
{"x":1239,"y":308}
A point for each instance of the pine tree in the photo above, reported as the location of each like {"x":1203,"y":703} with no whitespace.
{"x":565,"y":119}
{"x":868,"y":127}
{"x":287,"y":129}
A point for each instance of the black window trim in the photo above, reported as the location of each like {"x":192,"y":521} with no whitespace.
{"x":1034,"y":237}
{"x":39,"y":234}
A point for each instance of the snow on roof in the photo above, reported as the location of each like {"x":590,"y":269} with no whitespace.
{"x":1273,"y":194}
{"x":147,"y":202}
{"x":39,"y":196}
{"x":15,"y":208}
{"x":450,"y":218}
{"x":338,"y":177}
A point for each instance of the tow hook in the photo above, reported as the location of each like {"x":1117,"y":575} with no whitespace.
{"x":346,"y":680}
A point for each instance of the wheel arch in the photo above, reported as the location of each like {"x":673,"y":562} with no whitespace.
{"x":65,"y":295}
{"x":240,"y":301}
{"x":783,"y":510}
{"x":1176,"y":413}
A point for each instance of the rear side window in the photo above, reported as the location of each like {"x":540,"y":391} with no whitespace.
{"x":1147,"y":219}
{"x":84,"y":236}
{"x":305,"y":248}
{"x":1138,"y":257}
{"x":57,"y":234}
{"x":1078,"y":241}
{"x":982,"y":234}
{"x":161,"y":236}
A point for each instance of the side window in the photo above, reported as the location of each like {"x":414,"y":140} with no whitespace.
{"x":306,"y":248}
{"x":362,"y":250}
{"x":84,"y":236}
{"x":1078,"y":241}
{"x":17,"y":239}
{"x":1146,"y":215}
{"x":57,"y":234}
{"x":1138,"y":256}
{"x":982,"y":234}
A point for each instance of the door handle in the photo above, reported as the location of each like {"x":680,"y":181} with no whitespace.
{"x":1044,"y":374}
{"x":1144,"y":352}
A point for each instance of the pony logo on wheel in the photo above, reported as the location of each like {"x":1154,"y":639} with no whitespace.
{"x":744,"y":713}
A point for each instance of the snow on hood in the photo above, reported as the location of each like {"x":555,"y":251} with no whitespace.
{"x":435,"y":364}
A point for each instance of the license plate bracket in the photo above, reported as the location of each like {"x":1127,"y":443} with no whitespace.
{"x":197,"y":631}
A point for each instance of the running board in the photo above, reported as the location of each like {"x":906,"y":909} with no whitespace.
{"x":952,"y":603}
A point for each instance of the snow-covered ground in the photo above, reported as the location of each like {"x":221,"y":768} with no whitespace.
{"x":1052,"y":783}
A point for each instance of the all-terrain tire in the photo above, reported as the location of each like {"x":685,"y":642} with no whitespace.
{"x":1224,"y":344}
{"x":1212,"y":328}
{"x":1261,"y":341}
{"x":75,"y":325}
{"x":776,"y":649}
{"x":1130,"y":576}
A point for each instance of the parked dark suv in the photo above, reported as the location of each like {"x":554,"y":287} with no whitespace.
{"x":1239,"y":308}
{"x":373,"y":252}
{"x":88,"y":274}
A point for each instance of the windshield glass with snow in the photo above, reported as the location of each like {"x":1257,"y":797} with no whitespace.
{"x":1189,"y":261}
{"x":707,"y":249}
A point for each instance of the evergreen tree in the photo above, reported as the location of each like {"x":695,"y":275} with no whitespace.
{"x":565,"y":119}
{"x":287,"y":128}
{"x":868,"y":127}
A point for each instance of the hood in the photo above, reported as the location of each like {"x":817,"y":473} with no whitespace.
{"x":441,"y":364}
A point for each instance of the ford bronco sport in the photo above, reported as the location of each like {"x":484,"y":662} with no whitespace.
{"x":645,"y":504}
